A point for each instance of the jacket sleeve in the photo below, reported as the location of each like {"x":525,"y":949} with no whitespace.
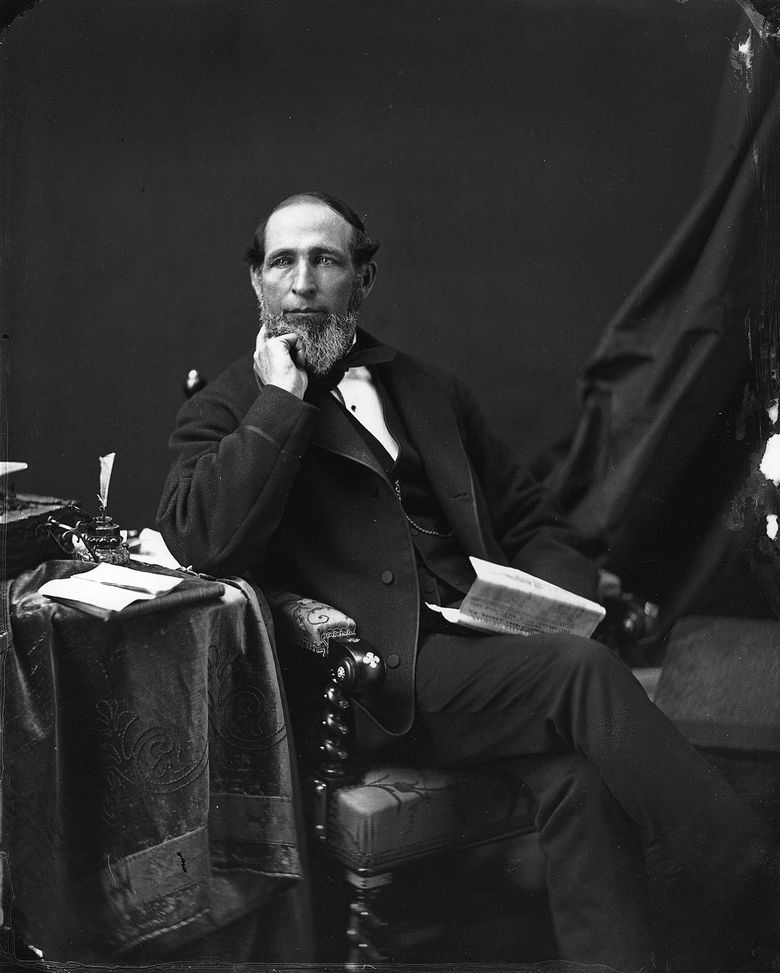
{"x":237,"y":451}
{"x":527,"y":523}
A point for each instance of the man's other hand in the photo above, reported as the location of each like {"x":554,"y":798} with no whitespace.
{"x":277,"y":362}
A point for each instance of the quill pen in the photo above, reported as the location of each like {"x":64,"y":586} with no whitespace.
{"x":106,"y":466}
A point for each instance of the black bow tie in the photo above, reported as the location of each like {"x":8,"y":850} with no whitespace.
{"x":356,"y":356}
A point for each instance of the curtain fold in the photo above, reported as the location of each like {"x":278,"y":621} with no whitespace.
{"x":661,"y":477}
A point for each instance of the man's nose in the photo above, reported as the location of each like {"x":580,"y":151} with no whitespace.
{"x":303,"y":279}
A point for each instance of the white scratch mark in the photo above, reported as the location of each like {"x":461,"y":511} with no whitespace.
{"x":745,"y":51}
{"x":741,"y":56}
{"x":770,"y":464}
{"x":771,"y":526}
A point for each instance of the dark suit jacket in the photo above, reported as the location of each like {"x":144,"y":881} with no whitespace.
{"x":267,"y":484}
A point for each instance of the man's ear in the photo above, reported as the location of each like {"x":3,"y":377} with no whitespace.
{"x":367,"y":275}
{"x":257,"y":283}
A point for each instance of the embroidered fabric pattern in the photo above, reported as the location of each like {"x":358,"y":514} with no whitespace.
{"x":240,"y":714}
{"x":314,"y":623}
{"x":321,"y":647}
{"x":155,"y":759}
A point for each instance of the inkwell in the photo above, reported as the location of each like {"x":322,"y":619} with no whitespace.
{"x":94,"y":538}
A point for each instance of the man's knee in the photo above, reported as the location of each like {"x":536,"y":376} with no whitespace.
{"x":575,"y":654}
{"x":569,"y":786}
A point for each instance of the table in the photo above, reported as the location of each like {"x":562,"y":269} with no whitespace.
{"x":149,"y":793}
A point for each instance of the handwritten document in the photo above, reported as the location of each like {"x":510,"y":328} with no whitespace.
{"x":509,"y":601}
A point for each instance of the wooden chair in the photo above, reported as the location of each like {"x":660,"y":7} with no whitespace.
{"x":374,"y":816}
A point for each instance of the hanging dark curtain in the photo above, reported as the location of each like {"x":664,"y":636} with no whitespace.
{"x":661,"y":478}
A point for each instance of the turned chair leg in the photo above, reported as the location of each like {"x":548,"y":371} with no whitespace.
{"x":366,"y":928}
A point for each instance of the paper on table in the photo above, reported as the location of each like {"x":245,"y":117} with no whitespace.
{"x":107,"y":597}
{"x":108,"y":588}
{"x":115,"y":574}
{"x":507,"y":600}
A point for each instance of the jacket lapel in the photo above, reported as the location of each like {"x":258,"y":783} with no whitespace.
{"x":336,"y":433}
{"x":430,"y":421}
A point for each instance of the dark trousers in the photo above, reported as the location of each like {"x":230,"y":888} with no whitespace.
{"x":609,"y":772}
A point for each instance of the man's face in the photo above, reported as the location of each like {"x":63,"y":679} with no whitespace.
{"x":308,"y":283}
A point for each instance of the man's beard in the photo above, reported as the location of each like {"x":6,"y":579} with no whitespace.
{"x":323,"y":340}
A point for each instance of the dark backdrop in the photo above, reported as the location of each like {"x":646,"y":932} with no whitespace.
{"x":521,"y":163}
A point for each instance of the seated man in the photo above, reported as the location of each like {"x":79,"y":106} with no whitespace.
{"x":336,"y":467}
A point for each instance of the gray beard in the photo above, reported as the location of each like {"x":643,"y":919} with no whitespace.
{"x":323,"y":341}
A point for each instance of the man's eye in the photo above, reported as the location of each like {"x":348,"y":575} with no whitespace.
{"x":280,"y":262}
{"x":325,"y":259}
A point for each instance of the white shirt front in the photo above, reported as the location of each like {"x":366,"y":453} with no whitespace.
{"x":359,"y":394}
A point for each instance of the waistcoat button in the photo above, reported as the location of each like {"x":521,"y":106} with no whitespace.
{"x":393,"y":661}
{"x":387,"y":577}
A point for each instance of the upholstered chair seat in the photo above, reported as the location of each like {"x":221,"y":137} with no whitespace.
{"x":396,"y":814}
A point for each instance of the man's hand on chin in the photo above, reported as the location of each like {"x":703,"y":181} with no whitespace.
{"x":277,"y":362}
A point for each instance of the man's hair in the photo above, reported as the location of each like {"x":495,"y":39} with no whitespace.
{"x":362,"y":247}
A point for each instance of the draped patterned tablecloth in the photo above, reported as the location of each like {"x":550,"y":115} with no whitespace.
{"x":149,"y":794}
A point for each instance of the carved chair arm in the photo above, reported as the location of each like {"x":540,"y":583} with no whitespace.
{"x":350,"y":667}
{"x":308,"y":622}
{"x":356,"y":665}
{"x":323,"y":630}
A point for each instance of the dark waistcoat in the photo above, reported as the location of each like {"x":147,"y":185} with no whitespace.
{"x":445,"y":573}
